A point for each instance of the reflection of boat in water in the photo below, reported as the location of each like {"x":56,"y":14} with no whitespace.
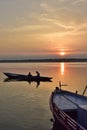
{"x":20,"y":80}
{"x":21,"y":77}
{"x":69,"y":109}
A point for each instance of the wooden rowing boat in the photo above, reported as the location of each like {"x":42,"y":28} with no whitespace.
{"x":69,"y":109}
{"x":26,"y":77}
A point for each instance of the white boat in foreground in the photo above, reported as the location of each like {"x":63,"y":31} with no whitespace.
{"x":69,"y":109}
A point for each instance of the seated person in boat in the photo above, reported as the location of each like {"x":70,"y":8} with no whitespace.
{"x":38,"y":74}
{"x":29,"y":75}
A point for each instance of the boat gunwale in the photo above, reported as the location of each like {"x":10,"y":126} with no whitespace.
{"x":70,"y":93}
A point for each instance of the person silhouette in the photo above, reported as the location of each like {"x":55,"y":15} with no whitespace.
{"x":38,"y":74}
{"x":29,"y":75}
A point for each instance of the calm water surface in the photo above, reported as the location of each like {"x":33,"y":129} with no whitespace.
{"x":25,"y":106}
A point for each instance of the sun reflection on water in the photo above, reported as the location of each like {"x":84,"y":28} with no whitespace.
{"x":62,"y":68}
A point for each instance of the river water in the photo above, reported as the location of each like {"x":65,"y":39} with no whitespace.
{"x":24,"y":105}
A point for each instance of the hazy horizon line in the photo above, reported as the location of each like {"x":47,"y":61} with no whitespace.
{"x":46,"y":60}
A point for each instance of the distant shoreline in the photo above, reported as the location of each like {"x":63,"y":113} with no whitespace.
{"x":44,"y":60}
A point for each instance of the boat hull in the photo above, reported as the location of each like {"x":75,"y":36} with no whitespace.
{"x":55,"y":111}
{"x":26,"y":77}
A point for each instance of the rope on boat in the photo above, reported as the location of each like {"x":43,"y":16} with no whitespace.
{"x":84,"y":91}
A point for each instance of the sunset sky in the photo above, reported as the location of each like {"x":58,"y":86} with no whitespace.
{"x":43,"y":28}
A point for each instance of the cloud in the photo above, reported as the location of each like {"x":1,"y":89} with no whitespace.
{"x":23,"y":28}
{"x":67,"y":18}
{"x":51,"y":18}
{"x":77,"y":2}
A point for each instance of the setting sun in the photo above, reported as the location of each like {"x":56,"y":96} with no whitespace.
{"x":62,"y":53}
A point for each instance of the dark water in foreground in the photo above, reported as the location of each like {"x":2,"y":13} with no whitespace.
{"x":25,"y":106}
